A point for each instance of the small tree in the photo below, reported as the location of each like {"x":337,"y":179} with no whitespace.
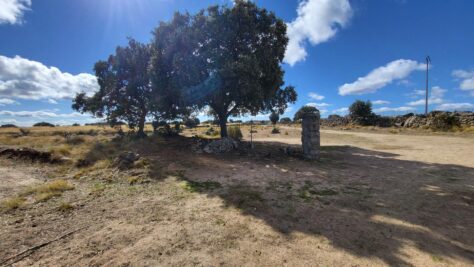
{"x":304,"y":109}
{"x":361,"y":112}
{"x":274,"y":117}
{"x":125,"y":91}
{"x":285,"y":120}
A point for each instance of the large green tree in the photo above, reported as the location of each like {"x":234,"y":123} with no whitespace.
{"x":124,"y":92}
{"x":232,"y":57}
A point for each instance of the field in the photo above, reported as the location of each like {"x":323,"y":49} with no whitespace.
{"x":376,"y":197}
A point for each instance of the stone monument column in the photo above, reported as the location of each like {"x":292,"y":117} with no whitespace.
{"x":310,"y":136}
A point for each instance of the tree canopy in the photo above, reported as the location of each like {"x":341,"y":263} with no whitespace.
{"x":124,"y":87}
{"x":227,"y":59}
{"x":361,"y":112}
{"x":304,"y":109}
{"x":235,"y":62}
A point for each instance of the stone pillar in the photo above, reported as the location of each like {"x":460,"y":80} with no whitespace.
{"x":310,"y":137}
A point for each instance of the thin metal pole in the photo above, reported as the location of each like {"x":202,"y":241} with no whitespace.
{"x":426,"y":101}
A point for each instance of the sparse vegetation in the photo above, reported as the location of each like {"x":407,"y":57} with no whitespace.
{"x":48,"y":190}
{"x":12,"y":203}
{"x":235,"y":132}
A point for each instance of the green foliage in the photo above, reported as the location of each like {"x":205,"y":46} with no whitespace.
{"x":285,"y":120}
{"x":443,"y":121}
{"x":194,"y":186}
{"x":235,"y":132}
{"x":124,"y":87}
{"x":274,"y":117}
{"x":304,"y":109}
{"x":43,"y":124}
{"x":237,"y":72}
{"x":275,"y":130}
{"x":191,"y":122}
{"x":361,"y":112}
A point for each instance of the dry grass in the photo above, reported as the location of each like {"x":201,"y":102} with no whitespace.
{"x":48,"y":190}
{"x":12,"y":203}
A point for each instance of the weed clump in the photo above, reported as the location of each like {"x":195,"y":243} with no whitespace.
{"x":49,"y":190}
{"x":234,"y":132}
{"x":193,"y":186}
{"x":12,"y":203}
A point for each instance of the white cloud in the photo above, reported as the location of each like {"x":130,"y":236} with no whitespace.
{"x":318,"y":105}
{"x":11,"y":11}
{"x":342,"y":111}
{"x":52,"y":101}
{"x":380,"y":77}
{"x":398,"y":109}
{"x":27,"y":79}
{"x":7,"y":101}
{"x":315,"y":96}
{"x":317,"y":22}
{"x":436,"y":97}
{"x":41,"y":114}
{"x":455,"y":106}
{"x":466,"y":80}
{"x":380,"y":102}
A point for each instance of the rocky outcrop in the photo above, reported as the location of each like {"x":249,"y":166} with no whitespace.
{"x":222,"y":145}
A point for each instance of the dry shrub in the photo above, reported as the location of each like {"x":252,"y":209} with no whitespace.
{"x":12,"y":203}
{"x":75,"y":140}
{"x":235,"y":132}
{"x":48,"y":190}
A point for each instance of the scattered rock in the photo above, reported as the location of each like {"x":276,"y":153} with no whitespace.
{"x":223,"y":145}
{"x":126,"y":159}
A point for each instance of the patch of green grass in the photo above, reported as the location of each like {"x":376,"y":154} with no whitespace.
{"x":436,"y":258}
{"x":98,"y":188}
{"x":193,"y":186}
{"x":245,"y":196}
{"x":12,"y":203}
{"x":308,"y":192}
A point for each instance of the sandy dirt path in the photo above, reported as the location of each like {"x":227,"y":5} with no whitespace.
{"x":425,"y":148}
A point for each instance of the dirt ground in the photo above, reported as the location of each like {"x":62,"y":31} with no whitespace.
{"x":374,"y":199}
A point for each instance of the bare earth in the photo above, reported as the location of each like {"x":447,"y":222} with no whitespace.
{"x":374,"y":199}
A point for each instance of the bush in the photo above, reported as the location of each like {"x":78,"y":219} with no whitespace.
{"x":76,"y":124}
{"x":8,"y":126}
{"x":234,"y":132}
{"x":443,"y":121}
{"x":361,"y":112}
{"x":285,"y":120}
{"x":191,"y":122}
{"x":275,"y":130}
{"x":24,"y":132}
{"x":212,"y":132}
{"x":43,"y":124}
{"x":304,"y":109}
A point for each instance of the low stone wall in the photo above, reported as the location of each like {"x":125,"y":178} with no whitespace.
{"x":435,"y":119}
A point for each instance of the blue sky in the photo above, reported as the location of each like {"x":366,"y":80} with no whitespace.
{"x":339,"y":51}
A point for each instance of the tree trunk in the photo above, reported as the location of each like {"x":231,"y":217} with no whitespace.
{"x":223,"y":125}
{"x":141,"y":127}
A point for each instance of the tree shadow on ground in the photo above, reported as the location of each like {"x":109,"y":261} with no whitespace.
{"x":368,"y":203}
